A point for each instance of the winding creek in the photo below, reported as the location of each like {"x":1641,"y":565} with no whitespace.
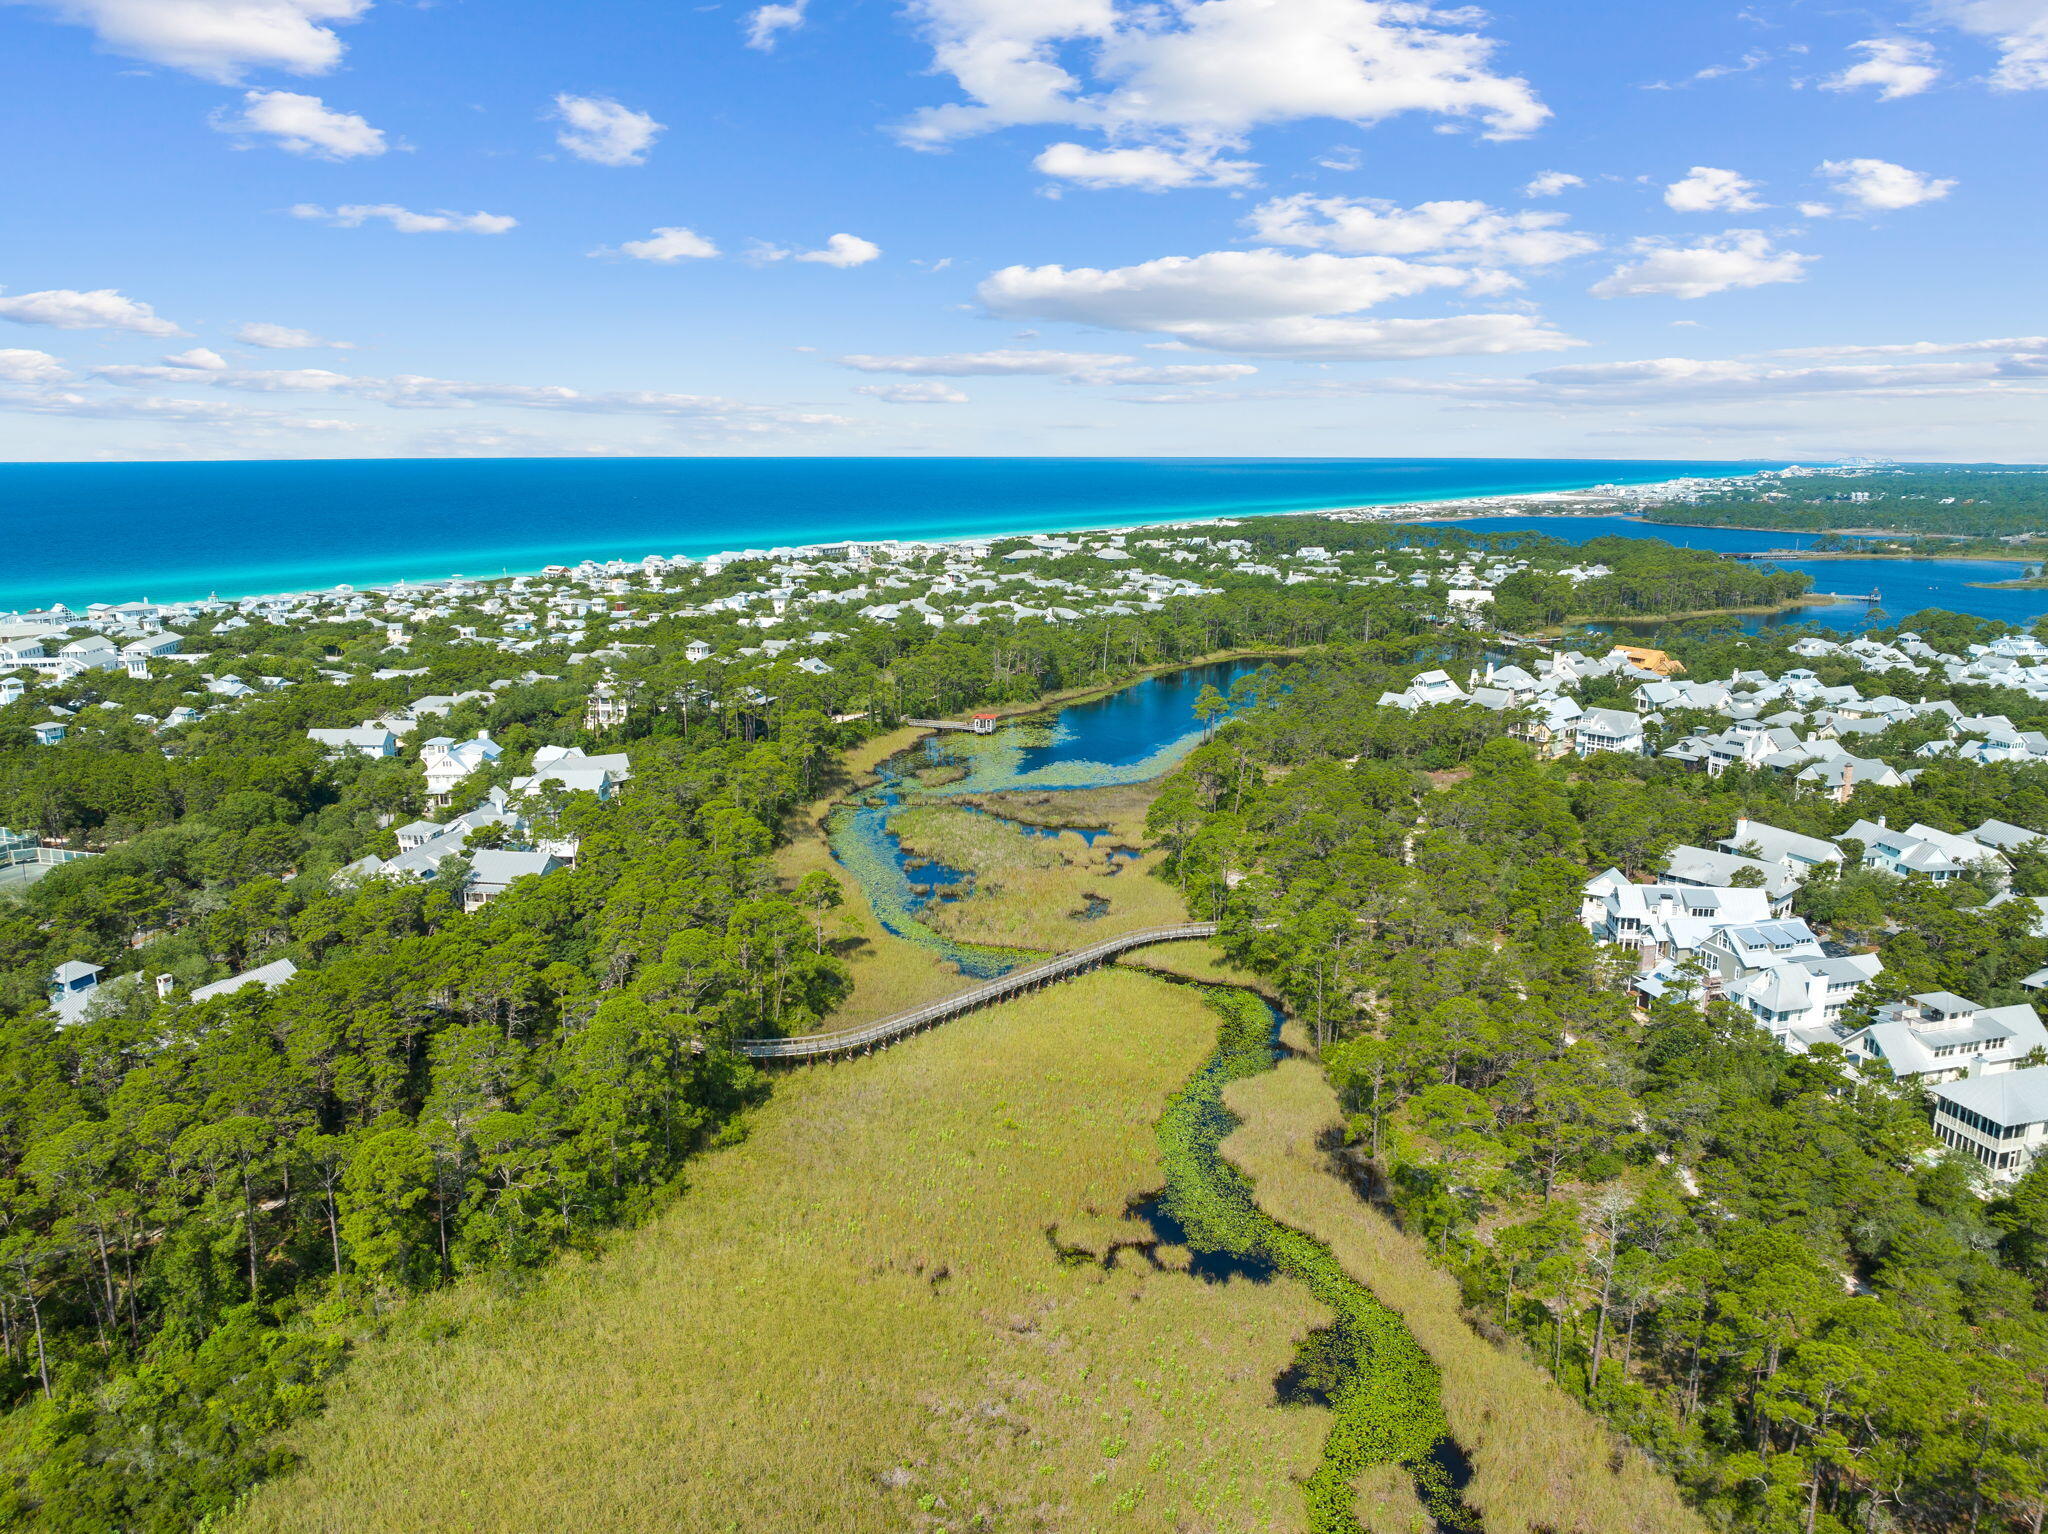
{"x":1364,"y":1367}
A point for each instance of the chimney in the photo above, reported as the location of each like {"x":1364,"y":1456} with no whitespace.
{"x":484,"y":735}
{"x":163,"y":986}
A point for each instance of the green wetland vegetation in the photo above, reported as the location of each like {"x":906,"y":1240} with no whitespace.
{"x":1365,"y":1365}
{"x":479,"y":1223}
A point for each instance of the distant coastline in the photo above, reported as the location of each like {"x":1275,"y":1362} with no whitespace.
{"x":110,"y":533}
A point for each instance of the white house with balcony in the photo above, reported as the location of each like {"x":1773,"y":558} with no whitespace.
{"x":447,"y":762}
{"x":1664,"y":921}
{"x":2002,"y":1119}
{"x":1800,"y":1002}
{"x":1608,"y":729}
{"x":571,"y":768}
{"x":1939,"y":1036}
{"x":1921,"y":849}
{"x":492,"y":871}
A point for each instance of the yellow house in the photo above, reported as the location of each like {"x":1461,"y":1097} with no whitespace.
{"x":1649,"y":660}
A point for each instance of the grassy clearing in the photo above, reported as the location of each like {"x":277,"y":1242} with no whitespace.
{"x":1540,"y":1462}
{"x":855,"y":1321}
{"x":1197,"y":959}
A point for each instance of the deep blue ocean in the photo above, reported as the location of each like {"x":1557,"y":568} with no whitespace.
{"x":116,"y":532}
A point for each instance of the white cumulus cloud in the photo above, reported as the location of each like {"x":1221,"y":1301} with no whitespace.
{"x":1881,"y":185}
{"x":1148,"y":167}
{"x":842,"y":250}
{"x":1269,"y":303}
{"x":929,"y":393}
{"x":2018,"y":29}
{"x":303,"y":125}
{"x":1695,"y":380}
{"x":2022,"y":345}
{"x":1549,"y":183}
{"x":712,"y":414}
{"x":1739,"y":258}
{"x":1704,"y":189}
{"x":279,"y":338}
{"x":670,"y":243}
{"x":600,"y":130}
{"x":1375,"y":226}
{"x":996,"y":364}
{"x":1894,"y":66}
{"x":404,"y":220}
{"x":1171,"y":373}
{"x":201,"y":358}
{"x":18,"y":364}
{"x":218,"y":39}
{"x":99,"y":309}
{"x":765,"y":23}
{"x":1198,"y":76}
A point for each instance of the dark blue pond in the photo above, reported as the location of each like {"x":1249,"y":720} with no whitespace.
{"x":1129,"y":736}
{"x":1903,"y":585}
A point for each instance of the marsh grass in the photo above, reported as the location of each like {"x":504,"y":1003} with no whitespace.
{"x":1540,"y":1461}
{"x":1197,"y":959}
{"x":1034,"y":891}
{"x":889,"y":973}
{"x":856,"y":1321}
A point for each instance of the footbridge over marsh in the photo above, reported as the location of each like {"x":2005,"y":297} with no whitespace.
{"x":848,"y":1041}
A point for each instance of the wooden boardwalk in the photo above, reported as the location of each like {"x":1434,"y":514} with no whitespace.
{"x":847,"y":1041}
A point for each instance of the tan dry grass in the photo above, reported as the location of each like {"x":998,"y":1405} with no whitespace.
{"x":1540,"y":1461}
{"x":856,"y":1310}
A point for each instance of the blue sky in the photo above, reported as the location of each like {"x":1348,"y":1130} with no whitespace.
{"x":360,"y":228}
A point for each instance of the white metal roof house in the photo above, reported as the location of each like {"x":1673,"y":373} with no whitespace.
{"x":447,"y":762}
{"x":269,"y":976}
{"x":576,"y":771}
{"x":1795,"y":853}
{"x":2000,"y":1119}
{"x":1664,"y":921}
{"x":1800,"y":1002}
{"x":1710,"y":869}
{"x":73,"y":984}
{"x":371,"y":740}
{"x":491,"y":871}
{"x":1938,"y":1036}
{"x":1921,"y":849}
{"x":1609,"y":729}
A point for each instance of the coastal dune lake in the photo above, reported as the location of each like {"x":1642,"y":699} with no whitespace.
{"x":1905,"y":585}
{"x":118,"y":532}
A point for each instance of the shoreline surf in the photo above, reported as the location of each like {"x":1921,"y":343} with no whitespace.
{"x":804,"y":504}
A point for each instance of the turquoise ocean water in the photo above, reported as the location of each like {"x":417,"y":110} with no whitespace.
{"x":117,"y":532}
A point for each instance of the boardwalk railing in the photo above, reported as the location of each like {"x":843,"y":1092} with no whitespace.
{"x":816,"y":1046}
